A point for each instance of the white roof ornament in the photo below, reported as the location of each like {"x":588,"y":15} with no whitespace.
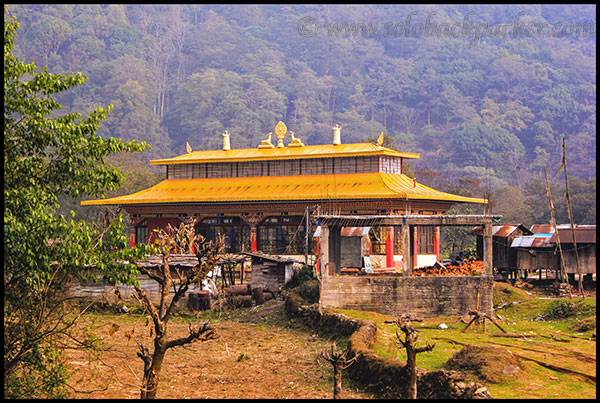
{"x":226,"y":141}
{"x":337,"y":137}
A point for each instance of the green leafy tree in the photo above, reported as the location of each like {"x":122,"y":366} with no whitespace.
{"x":47,"y":156}
{"x":477,"y":144}
{"x":46,"y":36}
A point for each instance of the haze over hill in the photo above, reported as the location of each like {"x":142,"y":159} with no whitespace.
{"x":484,"y":93}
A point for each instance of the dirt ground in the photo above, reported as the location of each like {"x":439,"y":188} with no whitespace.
{"x":253,"y":359}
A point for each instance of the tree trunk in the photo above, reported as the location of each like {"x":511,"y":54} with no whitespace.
{"x":337,"y":381}
{"x":152,"y":373}
{"x":411,"y":367}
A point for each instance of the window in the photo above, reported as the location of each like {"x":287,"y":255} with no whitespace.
{"x":425,"y":240}
{"x":237,"y":234}
{"x":141,"y":234}
{"x":276,"y":239}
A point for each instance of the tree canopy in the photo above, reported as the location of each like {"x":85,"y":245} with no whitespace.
{"x":46,"y":156}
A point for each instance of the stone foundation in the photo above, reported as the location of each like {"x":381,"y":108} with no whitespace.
{"x":396,"y":295}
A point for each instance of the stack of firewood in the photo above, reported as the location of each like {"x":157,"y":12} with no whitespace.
{"x":467,"y":268}
{"x":246,"y":294}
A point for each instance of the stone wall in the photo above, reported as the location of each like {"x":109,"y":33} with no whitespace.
{"x":416,"y":296}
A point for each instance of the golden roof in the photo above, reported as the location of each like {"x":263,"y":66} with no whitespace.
{"x":278,"y":153}
{"x":375,"y":185}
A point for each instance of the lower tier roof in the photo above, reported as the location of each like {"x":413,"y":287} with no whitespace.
{"x":375,"y":185}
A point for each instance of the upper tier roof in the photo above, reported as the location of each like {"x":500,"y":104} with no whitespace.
{"x":374,"y":185}
{"x":258,"y":154}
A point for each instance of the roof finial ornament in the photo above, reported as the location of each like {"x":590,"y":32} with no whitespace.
{"x":280,"y":131}
{"x":188,"y":147}
{"x":296,"y":142}
{"x":337,"y":137}
{"x":226,"y":141}
{"x":267,"y":143}
{"x":380,"y":139}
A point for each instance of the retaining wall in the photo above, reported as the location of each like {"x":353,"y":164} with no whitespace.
{"x":424,"y":297}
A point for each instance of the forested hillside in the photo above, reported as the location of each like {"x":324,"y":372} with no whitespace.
{"x":483,"y":112}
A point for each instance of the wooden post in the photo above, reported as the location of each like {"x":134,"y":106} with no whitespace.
{"x":564,"y":163}
{"x":487,"y":249}
{"x":563,"y":269}
{"x":335,"y":249}
{"x":415,"y":247}
{"x":389,"y":247}
{"x":406,"y":264}
{"x":258,"y":295}
{"x":324,"y":242}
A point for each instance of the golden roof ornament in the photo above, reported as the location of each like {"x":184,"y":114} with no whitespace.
{"x":267,"y":143}
{"x":380,"y":139}
{"x":296,"y":142}
{"x":188,"y":147}
{"x":280,"y":131}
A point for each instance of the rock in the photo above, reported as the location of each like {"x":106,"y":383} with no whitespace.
{"x":443,"y":326}
{"x":510,"y":370}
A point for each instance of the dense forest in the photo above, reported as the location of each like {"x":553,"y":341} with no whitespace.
{"x":484,"y":112}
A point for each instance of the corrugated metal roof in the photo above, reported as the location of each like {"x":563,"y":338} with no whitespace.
{"x":542,"y":228}
{"x":531,"y":241}
{"x":256,"y":154}
{"x":347,"y":231}
{"x":373,"y":185}
{"x":582,"y":235}
{"x":355,"y":231}
{"x":502,"y":230}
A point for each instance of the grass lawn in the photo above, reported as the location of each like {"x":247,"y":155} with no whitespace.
{"x":565,"y":343}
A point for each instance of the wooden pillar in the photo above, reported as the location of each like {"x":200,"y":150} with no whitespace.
{"x":335,"y":249}
{"x":415,"y":247}
{"x":253,"y":243}
{"x":436,"y":243}
{"x":406,"y":258}
{"x":487,"y":249}
{"x":389,"y":247}
{"x":324,"y":247}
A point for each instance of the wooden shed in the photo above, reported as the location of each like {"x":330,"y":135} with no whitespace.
{"x":503,"y":256}
{"x":539,"y":251}
{"x":270,"y":272}
{"x":585,"y":238}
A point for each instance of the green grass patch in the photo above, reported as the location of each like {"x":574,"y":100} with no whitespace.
{"x":561,"y":340}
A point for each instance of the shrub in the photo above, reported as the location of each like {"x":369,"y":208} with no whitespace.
{"x":309,"y":290}
{"x":561,"y":308}
{"x":301,"y":276}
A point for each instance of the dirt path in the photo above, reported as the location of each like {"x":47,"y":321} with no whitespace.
{"x":248,"y":360}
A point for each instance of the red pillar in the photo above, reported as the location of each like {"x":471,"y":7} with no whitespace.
{"x":253,"y":244}
{"x":415,"y":246}
{"x":436,"y":243}
{"x":389,"y":247}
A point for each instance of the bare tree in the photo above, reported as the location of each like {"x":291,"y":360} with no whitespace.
{"x":411,"y":352}
{"x":340,"y":361}
{"x":173,"y":240}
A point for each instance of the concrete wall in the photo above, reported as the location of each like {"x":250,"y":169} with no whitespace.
{"x":416,"y":296}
